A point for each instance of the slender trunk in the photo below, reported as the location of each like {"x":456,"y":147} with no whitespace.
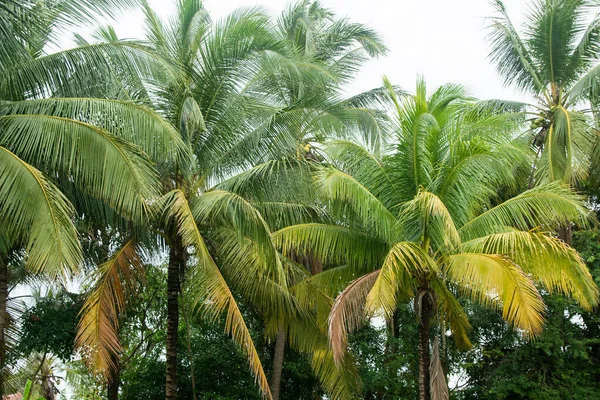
{"x":113,"y":384}
{"x":48,"y":392}
{"x":176,"y":263}
{"x":278,"y":356}
{"x":189,"y":349}
{"x":424,"y":358}
{"x":565,"y":233}
{"x":3,"y":319}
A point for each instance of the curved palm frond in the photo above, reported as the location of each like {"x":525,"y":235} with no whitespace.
{"x":347,"y":313}
{"x":493,"y":279}
{"x":98,"y":328}
{"x":33,"y":210}
{"x":106,"y":166}
{"x":550,"y":205}
{"x":212,"y":294}
{"x":548,"y":260}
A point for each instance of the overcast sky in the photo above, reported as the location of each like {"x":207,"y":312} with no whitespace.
{"x":441,"y":39}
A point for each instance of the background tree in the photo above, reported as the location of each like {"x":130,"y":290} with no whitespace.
{"x":555,"y":60}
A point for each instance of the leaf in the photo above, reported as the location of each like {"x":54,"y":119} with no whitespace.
{"x":492,"y":279}
{"x":98,"y":328}
{"x":212,"y":294}
{"x":33,"y":210}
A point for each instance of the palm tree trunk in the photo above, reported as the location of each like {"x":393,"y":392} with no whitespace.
{"x":113,"y":384}
{"x":565,"y":233}
{"x":3,"y":319}
{"x":424,"y":358}
{"x":177,"y":261}
{"x":278,"y":356}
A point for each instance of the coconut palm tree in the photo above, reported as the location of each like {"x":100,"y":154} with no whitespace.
{"x":423,"y":224}
{"x":554,"y":59}
{"x":242,"y":95}
{"x":64,"y":156}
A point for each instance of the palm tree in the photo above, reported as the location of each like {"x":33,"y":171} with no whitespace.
{"x":61,"y":156}
{"x":555,"y":60}
{"x":423,"y":224}
{"x":243,"y":94}
{"x":205,"y":103}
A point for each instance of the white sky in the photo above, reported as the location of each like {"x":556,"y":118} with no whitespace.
{"x":442,"y":39}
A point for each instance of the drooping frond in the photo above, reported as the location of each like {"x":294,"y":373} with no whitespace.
{"x":437,"y":380}
{"x":212,"y":294}
{"x":98,"y":328}
{"x":107,"y":167}
{"x":549,"y":261}
{"x":452,"y":313}
{"x":495,"y":280}
{"x":340,"y":380}
{"x":71,"y":71}
{"x":243,"y":267}
{"x":347,"y":313}
{"x":404,"y":261}
{"x":35,"y":212}
{"x":126,"y":120}
{"x":346,"y":191}
{"x":230,"y":209}
{"x":332,"y":244}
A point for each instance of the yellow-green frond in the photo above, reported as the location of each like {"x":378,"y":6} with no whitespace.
{"x":493,"y":279}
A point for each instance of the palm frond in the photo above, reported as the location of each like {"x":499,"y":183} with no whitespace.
{"x":34,"y":211}
{"x":128,"y":121}
{"x":98,"y":328}
{"x":404,"y":261}
{"x":548,"y":260}
{"x":547,"y":205}
{"x":212,"y":294}
{"x":332,"y":244}
{"x":347,"y":313}
{"x":495,"y":280}
{"x":108,"y":167}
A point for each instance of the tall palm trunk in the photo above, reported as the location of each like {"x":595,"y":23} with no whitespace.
{"x":114,"y":383}
{"x":3,"y":319}
{"x":177,"y":260}
{"x":424,"y":357}
{"x":278,"y":356}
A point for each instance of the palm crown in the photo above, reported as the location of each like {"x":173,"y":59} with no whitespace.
{"x":555,"y":60}
{"x":422,"y":223}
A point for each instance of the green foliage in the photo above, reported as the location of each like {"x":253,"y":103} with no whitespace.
{"x":50,"y":326}
{"x":561,"y":363}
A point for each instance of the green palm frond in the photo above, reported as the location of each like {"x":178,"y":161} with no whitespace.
{"x":71,"y":71}
{"x":35,"y":213}
{"x":452,"y":313}
{"x":349,"y":194}
{"x":404,"y":261}
{"x":229,"y":209}
{"x":131,"y":122}
{"x":331,"y":244}
{"x":548,"y":205}
{"x":211,"y":292}
{"x":514,"y":60}
{"x":549,"y":261}
{"x":108,"y":167}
